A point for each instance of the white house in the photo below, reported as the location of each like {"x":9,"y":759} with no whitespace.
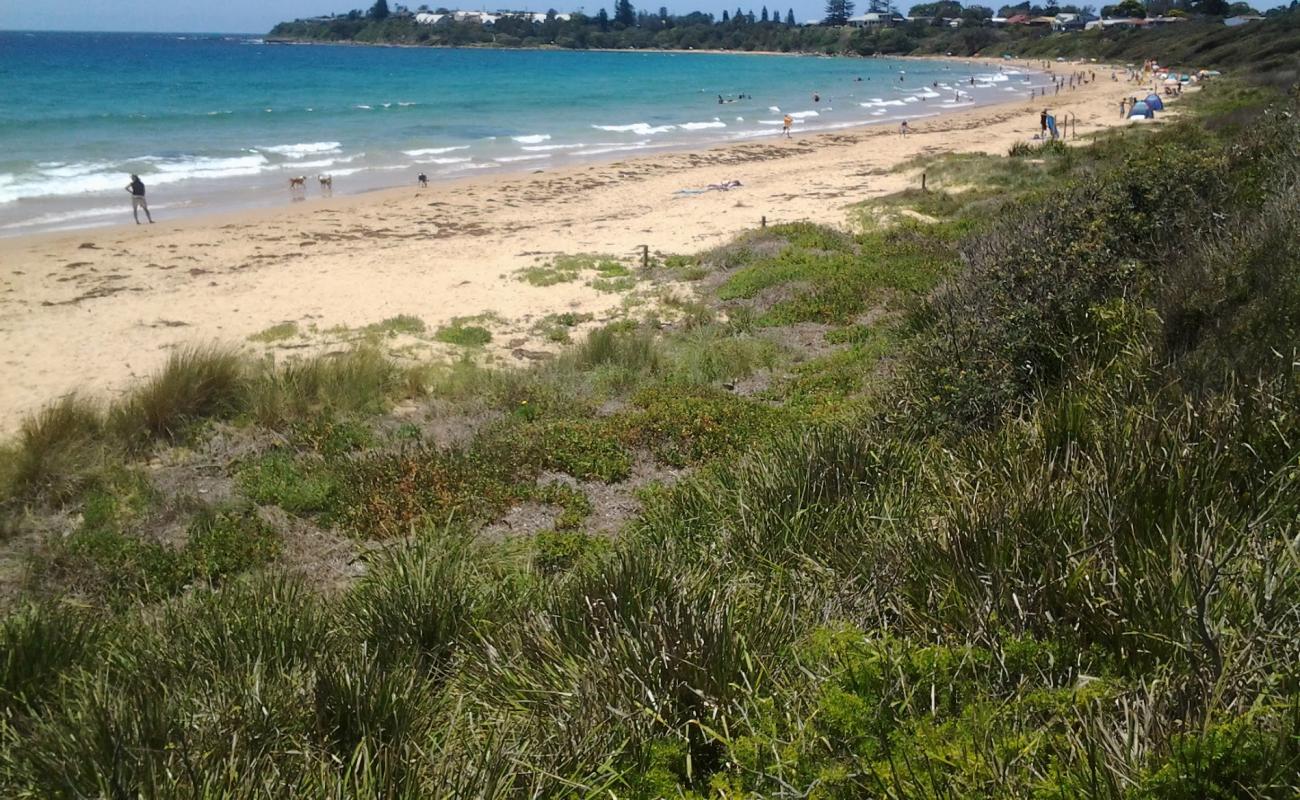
{"x":874,"y":19}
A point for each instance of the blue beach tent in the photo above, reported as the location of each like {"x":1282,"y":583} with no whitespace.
{"x":1141,"y":109}
{"x":1154,"y":101}
{"x":1051,"y":126}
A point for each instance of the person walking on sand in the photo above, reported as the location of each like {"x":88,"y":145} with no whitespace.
{"x":903,"y":129}
{"x":1042,"y":123}
{"x":136,"y":188}
{"x":785,"y":125}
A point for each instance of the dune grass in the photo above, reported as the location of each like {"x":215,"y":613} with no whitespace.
{"x":1027,"y":530}
{"x":276,"y":333}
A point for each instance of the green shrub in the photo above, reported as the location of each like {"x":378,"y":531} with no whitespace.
{"x":394,"y":326}
{"x":277,"y":478}
{"x":108,"y":561}
{"x":559,"y":551}
{"x":464,"y":335}
{"x":687,"y":426}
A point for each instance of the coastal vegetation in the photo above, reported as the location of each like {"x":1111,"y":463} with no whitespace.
{"x":992,"y":494}
{"x":1199,"y":37}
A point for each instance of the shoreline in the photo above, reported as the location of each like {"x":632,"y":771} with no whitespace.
{"x":97,"y":309}
{"x":213,"y":204}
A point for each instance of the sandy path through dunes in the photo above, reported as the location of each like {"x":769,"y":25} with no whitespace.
{"x":95,"y":310}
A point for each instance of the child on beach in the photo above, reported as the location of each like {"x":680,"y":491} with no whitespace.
{"x":903,"y":129}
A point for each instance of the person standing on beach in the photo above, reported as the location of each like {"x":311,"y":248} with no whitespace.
{"x":785,"y":125}
{"x":1042,"y":123}
{"x":903,"y":129}
{"x":136,"y":188}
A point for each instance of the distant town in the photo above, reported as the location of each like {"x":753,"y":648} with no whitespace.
{"x":1128,"y":14}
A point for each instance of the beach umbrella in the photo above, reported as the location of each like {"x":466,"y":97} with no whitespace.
{"x":1155,"y":103}
{"x":1141,"y":109}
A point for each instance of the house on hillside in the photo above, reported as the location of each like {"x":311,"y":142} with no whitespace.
{"x":1241,"y":19}
{"x":873,"y":19}
{"x":1069,"y":22}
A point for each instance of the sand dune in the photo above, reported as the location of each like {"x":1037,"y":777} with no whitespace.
{"x":97,"y":309}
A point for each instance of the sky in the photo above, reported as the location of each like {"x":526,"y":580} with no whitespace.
{"x":257,"y":16}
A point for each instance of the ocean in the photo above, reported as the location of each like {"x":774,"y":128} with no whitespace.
{"x":219,"y":122}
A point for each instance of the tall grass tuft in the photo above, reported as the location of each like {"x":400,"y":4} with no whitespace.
{"x":57,"y":450}
{"x":357,"y":381}
{"x":203,"y":382}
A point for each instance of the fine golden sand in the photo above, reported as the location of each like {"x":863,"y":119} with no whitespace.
{"x":95,"y":310}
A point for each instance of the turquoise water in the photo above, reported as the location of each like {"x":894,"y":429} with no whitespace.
{"x":219,"y":122}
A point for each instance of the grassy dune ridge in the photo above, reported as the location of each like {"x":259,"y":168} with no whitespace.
{"x":993,"y":496}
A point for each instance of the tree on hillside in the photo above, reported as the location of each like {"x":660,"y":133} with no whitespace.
{"x":624,"y":13}
{"x":789,"y":18}
{"x":763,"y":17}
{"x":943,"y":8}
{"x":602,"y":19}
{"x":725,"y":17}
{"x":1127,"y":8}
{"x":838,"y":12}
{"x":379,"y":10}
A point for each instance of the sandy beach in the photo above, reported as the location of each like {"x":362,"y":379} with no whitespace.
{"x":98,"y":309}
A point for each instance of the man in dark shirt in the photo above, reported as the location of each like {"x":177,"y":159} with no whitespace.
{"x":136,"y":188}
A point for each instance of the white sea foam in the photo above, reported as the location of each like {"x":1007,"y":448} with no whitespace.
{"x":362,"y":107}
{"x":462,"y":160}
{"x":434,"y":151}
{"x":510,"y":159}
{"x":700,"y":126}
{"x":89,"y":177}
{"x":305,"y":149}
{"x":602,"y":148}
{"x":535,"y":138}
{"x":639,"y":128}
{"x":774,"y":109}
{"x":543,"y":148}
{"x":804,"y":114}
{"x":68,"y":216}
